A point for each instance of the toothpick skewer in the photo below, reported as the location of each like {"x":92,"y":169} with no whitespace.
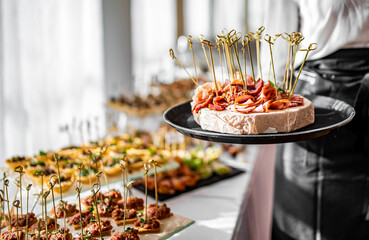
{"x":220,"y":57}
{"x":127,"y":188}
{"x":212,"y":73}
{"x":78,"y":189}
{"x":208,"y":43}
{"x":248,"y":40}
{"x":287,"y":37}
{"x":16,"y":205}
{"x":6,"y":183}
{"x":189,"y":40}
{"x":52,"y":184}
{"x":2,"y":212}
{"x":257,"y":38}
{"x":311,"y":47}
{"x":19,"y":169}
{"x":155,"y":164}
{"x":268,"y":39}
{"x":94,"y":192}
{"x":98,"y":175}
{"x":297,"y":39}
{"x":229,"y":42}
{"x":56,"y":157}
{"x":28,"y":188}
{"x":171,"y":53}
{"x":234,"y":44}
{"x":46,"y":220}
{"x":146,"y":167}
{"x":244,"y":55}
{"x":221,"y":40}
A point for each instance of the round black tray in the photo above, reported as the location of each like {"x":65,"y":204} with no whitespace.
{"x":329,"y":114}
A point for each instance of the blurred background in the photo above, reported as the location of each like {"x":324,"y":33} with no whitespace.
{"x":62,"y":62}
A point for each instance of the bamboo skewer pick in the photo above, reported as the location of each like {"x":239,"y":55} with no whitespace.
{"x":127,"y":188}
{"x":2,"y":212}
{"x":28,"y":188}
{"x":16,"y":205}
{"x":234,"y":44}
{"x":19,"y":169}
{"x":189,"y":40}
{"x":287,"y":37}
{"x":52,"y":184}
{"x":296,"y":39}
{"x":46,"y":219}
{"x":268,"y":39}
{"x":39,"y":230}
{"x":155,"y":164}
{"x":98,"y":175}
{"x":244,"y":55}
{"x":311,"y":47}
{"x":220,"y":57}
{"x":171,"y":53}
{"x":211,"y":67}
{"x":6,"y":183}
{"x":248,"y":40}
{"x":56,"y":157}
{"x":94,"y":192}
{"x":146,"y":167}
{"x":122,"y":165}
{"x":78,"y":190}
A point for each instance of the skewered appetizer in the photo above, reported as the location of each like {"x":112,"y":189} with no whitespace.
{"x":161,"y":212}
{"x":92,"y":229}
{"x":21,"y":223}
{"x":118,"y":215}
{"x":51,"y":226}
{"x":70,"y":209}
{"x":132,"y":203}
{"x":75,"y":220}
{"x":148,"y":226}
{"x":13,"y":235}
{"x":128,"y":234}
{"x":61,"y":234}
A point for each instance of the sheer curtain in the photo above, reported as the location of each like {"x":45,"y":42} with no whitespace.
{"x":51,"y":71}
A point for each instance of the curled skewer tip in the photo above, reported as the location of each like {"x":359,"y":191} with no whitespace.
{"x":16,"y":203}
{"x":171,"y":53}
{"x":19,"y":169}
{"x":130,"y":183}
{"x":29,"y":187}
{"x":46,"y":194}
{"x":6,"y":182}
{"x":146,"y":167}
{"x":312,"y":46}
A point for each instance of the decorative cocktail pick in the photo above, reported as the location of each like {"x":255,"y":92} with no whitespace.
{"x":171,"y":53}
{"x":39,"y":229}
{"x":296,"y":39}
{"x":78,"y":190}
{"x":28,"y":188}
{"x":273,"y":39}
{"x":189,"y":40}
{"x":247,"y":42}
{"x":19,"y":169}
{"x":229,"y":38}
{"x":52,"y":184}
{"x":2,"y":212}
{"x":268,"y":39}
{"x":94,"y":192}
{"x":98,"y":175}
{"x":101,"y":154}
{"x":146,"y":167}
{"x":211,"y":67}
{"x":80,"y":168}
{"x":91,"y":160}
{"x":155,"y":164}
{"x":230,"y":67}
{"x":6,"y":183}
{"x":311,"y":47}
{"x":16,"y":205}
{"x":57,"y":158}
{"x":219,"y":43}
{"x":46,"y":220}
{"x":234,"y":44}
{"x":122,"y":165}
{"x":256,"y":36}
{"x":287,"y":37}
{"x":127,"y":189}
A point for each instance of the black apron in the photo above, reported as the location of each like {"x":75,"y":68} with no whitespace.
{"x":322,"y":185}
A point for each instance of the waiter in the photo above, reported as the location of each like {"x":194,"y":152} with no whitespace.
{"x":322,"y":185}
